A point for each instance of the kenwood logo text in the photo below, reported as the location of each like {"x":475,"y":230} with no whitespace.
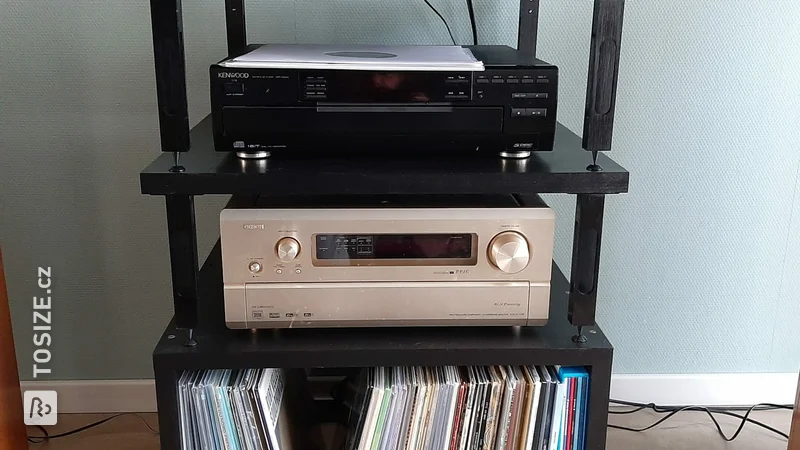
{"x":233,"y":75}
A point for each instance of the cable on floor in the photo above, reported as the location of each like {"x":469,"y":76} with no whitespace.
{"x":710,"y":410}
{"x":46,"y":436}
{"x":447,"y":25}
{"x":471,"y":9}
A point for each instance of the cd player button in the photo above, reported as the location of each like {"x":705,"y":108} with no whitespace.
{"x":519,"y":95}
{"x":254,"y":267}
{"x":542,"y":81}
{"x":536,"y":112}
{"x":527,"y":81}
{"x":497,"y":81}
{"x":234,"y":88}
{"x":483,"y":80}
{"x":517,"y":112}
{"x":513,"y":80}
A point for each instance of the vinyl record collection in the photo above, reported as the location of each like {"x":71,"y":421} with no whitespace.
{"x":468,"y":408}
{"x":253,"y":409}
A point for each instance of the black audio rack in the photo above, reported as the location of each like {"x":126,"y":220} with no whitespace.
{"x":197,"y":338}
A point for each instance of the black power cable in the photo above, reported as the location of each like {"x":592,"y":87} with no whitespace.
{"x":443,"y":20}
{"x":47,"y":436}
{"x":710,"y":410}
{"x":471,"y":9}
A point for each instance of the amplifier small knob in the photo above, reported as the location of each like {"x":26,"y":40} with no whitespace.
{"x":254,"y":267}
{"x":509,"y":252}
{"x":287,"y":249}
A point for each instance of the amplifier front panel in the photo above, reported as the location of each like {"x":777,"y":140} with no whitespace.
{"x":251,"y":240}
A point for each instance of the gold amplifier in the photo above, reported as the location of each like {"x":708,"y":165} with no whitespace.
{"x":387,"y":266}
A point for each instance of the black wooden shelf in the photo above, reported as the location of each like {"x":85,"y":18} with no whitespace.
{"x":197,"y":295}
{"x":219,"y":347}
{"x":562,"y":170}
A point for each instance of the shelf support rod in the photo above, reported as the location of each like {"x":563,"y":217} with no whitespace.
{"x":170,"y":65}
{"x":183,"y":260}
{"x":528,"y":26}
{"x":601,"y":85}
{"x":585,"y":260}
{"x":236,"y":27}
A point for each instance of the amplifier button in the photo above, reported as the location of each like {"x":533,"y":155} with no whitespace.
{"x":254,"y":267}
{"x":509,"y":252}
{"x":287,"y":249}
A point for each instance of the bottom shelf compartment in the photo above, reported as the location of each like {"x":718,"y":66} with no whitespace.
{"x":327,"y":355}
{"x":385,"y":408}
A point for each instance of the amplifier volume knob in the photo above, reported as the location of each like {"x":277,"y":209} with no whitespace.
{"x":287,"y":249}
{"x":509,"y":252}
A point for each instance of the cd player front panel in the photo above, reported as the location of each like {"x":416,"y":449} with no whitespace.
{"x":302,"y":305}
{"x":386,"y":245}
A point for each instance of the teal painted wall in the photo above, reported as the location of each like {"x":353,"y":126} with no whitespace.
{"x":699,"y":259}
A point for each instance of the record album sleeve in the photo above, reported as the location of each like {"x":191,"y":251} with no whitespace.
{"x":558,"y":413}
{"x":455,"y":437}
{"x":484,"y":411}
{"x":518,"y":403}
{"x":419,"y":410}
{"x":549,"y":404}
{"x":385,"y":400}
{"x":454,"y":384}
{"x":408,"y":414}
{"x":533,"y":408}
{"x":505,"y":411}
{"x":527,"y":409}
{"x":477,"y":404}
{"x":466,"y":426}
{"x":389,"y":422}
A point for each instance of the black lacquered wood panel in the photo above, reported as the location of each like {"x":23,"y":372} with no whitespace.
{"x":562,"y":170}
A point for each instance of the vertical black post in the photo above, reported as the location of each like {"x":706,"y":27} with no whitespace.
{"x":183,"y":259}
{"x":601,"y":86}
{"x":599,"y":392}
{"x":585,"y":259}
{"x":236,"y":26}
{"x":170,"y":64}
{"x":528,"y":26}
{"x":167,"y":400}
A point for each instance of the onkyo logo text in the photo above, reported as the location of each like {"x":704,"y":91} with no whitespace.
{"x":233,"y":75}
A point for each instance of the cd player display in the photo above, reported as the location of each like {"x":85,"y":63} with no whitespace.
{"x":386,"y":87}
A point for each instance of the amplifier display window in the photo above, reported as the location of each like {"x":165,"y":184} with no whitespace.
{"x":395,"y":249}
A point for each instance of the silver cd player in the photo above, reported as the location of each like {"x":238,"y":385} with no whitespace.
{"x":378,"y":266}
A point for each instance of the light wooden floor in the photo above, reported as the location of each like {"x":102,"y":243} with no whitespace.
{"x":686,"y":431}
